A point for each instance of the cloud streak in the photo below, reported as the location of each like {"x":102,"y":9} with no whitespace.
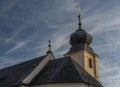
{"x":18,"y":46}
{"x":5,"y":7}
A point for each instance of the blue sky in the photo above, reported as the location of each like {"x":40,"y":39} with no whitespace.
{"x":27,"y":25}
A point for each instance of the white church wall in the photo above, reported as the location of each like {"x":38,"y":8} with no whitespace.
{"x":65,"y":85}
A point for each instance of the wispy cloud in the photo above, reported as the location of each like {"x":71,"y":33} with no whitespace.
{"x":7,"y":61}
{"x":53,"y":26}
{"x":7,"y":6}
{"x":106,"y":20}
{"x":109,"y":73}
{"x":18,"y":46}
{"x":36,"y":48}
{"x":108,"y":45}
{"x":13,"y":36}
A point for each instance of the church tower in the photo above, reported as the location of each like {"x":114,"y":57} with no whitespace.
{"x":81,"y":52}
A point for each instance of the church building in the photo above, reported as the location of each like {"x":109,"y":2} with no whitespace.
{"x":77,"y":68}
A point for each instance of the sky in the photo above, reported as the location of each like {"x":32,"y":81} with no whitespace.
{"x":27,"y":25}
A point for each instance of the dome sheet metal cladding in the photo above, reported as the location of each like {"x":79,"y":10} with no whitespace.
{"x":80,"y":36}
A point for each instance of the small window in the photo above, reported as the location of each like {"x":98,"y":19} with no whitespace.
{"x":90,"y":63}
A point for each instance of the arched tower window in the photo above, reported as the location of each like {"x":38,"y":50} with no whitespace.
{"x":90,"y":63}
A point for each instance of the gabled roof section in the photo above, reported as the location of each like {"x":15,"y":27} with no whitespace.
{"x":63,"y":70}
{"x":59,"y":70}
{"x":13,"y":75}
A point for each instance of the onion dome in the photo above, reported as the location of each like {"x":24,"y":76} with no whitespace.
{"x":80,"y":36}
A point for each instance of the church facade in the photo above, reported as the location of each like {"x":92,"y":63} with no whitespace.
{"x":77,"y":68}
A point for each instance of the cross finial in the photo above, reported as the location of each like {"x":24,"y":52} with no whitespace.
{"x":49,"y":45}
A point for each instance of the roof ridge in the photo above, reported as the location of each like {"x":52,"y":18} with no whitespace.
{"x":22,"y":62}
{"x":57,"y":70}
{"x":74,"y":63}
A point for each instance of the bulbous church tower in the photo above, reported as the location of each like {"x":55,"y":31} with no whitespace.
{"x":81,"y":51}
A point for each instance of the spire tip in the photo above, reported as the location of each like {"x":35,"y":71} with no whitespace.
{"x":79,"y":24}
{"x":78,"y":10}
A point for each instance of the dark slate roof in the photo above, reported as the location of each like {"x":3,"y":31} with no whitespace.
{"x":63,"y":70}
{"x":13,"y":75}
